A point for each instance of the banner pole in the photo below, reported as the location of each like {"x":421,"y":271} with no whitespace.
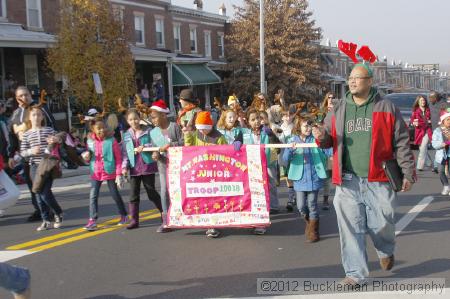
{"x":297,"y":145}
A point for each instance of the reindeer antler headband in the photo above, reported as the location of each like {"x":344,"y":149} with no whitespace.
{"x":364,"y":52}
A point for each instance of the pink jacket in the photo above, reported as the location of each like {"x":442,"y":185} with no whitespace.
{"x":99,"y":171}
{"x":424,"y":125}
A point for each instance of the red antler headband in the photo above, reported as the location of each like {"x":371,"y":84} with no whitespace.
{"x":364,"y":52}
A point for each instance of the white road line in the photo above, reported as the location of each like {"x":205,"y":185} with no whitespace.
{"x":13,"y":254}
{"x":402,"y":223}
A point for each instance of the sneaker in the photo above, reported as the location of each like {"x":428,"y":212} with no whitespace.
{"x":325,"y":206}
{"x":435,"y":170}
{"x":123,"y":220}
{"x":91,"y":225}
{"x":2,"y":212}
{"x":445,"y":191}
{"x":58,"y":221}
{"x":212,"y":233}
{"x":44,"y":226}
{"x":259,"y":230}
{"x":289,"y":207}
{"x":36,"y":216}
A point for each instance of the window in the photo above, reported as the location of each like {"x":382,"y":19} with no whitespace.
{"x":159,"y":22}
{"x":207,"y":43}
{"x":177,"y":36}
{"x":193,"y":38}
{"x":31,"y":70}
{"x":118,"y":14}
{"x":34,"y":13}
{"x":139,"y":29}
{"x":220,"y":45}
{"x":2,"y":8}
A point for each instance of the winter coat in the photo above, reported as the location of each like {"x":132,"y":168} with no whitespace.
{"x":390,"y":138}
{"x":424,"y":127}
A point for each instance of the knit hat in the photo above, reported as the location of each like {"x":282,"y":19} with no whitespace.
{"x":232,"y":100}
{"x":444,"y":115}
{"x":160,"y":106}
{"x":187,"y":95}
{"x":203,"y":120}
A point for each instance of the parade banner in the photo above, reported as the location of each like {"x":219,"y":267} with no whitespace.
{"x":216,"y":186}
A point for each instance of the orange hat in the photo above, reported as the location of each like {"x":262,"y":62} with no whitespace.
{"x":203,"y":120}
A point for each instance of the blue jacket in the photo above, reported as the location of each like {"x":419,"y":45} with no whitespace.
{"x":437,"y":141}
{"x":307,"y":166}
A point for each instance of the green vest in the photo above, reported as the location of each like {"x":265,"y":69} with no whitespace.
{"x":109,"y":163}
{"x":129,"y":146}
{"x":263,"y":139}
{"x":297,"y":163}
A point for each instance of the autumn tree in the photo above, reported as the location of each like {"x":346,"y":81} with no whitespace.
{"x":291,"y":49}
{"x":91,"y":40}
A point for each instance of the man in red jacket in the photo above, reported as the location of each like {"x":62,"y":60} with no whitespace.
{"x":365,"y":130}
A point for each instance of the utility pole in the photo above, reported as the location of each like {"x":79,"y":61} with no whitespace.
{"x":261,"y":46}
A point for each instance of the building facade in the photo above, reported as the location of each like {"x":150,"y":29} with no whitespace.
{"x":173,"y":47}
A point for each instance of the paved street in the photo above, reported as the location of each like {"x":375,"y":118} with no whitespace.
{"x":116,"y":263}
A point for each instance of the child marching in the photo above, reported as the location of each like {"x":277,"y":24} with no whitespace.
{"x":307,"y":169}
{"x":258,"y":134}
{"x":140,"y":165}
{"x":35,"y":145}
{"x":163,"y":135}
{"x":105,"y":159}
{"x":205,"y":134}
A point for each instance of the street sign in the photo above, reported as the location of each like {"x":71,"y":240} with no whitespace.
{"x":97,"y":83}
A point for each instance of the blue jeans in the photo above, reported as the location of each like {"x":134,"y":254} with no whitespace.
{"x":46,"y":199}
{"x":364,"y":207}
{"x":307,"y":204}
{"x":93,"y":198}
{"x":14,"y":279}
{"x":273,"y":190}
{"x":165,"y":200}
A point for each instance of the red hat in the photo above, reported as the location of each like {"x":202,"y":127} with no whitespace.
{"x":444,"y":114}
{"x":160,"y":106}
{"x":203,"y":120}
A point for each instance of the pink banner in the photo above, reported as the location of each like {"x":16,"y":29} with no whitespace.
{"x":216,"y":186}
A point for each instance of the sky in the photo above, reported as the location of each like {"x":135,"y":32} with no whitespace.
{"x":413,"y":31}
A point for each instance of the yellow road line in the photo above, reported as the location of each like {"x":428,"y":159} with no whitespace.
{"x":72,"y":232}
{"x":85,"y":236}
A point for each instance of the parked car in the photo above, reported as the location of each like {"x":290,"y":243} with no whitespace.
{"x":404,"y":102}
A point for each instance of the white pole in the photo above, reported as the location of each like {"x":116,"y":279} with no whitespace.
{"x":261,"y":45}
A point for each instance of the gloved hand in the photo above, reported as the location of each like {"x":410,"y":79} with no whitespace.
{"x":237,"y":145}
{"x":267,"y":130}
{"x":120,"y":182}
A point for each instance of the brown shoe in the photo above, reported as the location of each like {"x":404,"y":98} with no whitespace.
{"x":387,"y":263}
{"x":313,"y":235}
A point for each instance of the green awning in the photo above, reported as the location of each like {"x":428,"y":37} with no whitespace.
{"x":193,"y":74}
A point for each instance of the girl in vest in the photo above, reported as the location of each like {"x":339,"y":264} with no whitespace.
{"x":105,"y":158}
{"x":164,"y":135}
{"x":307,"y":169}
{"x":228,"y":125}
{"x":140,"y":165}
{"x":204,"y":135}
{"x":441,"y":143}
{"x":284,"y":134}
{"x":257,"y":134}
{"x":38,"y":142}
